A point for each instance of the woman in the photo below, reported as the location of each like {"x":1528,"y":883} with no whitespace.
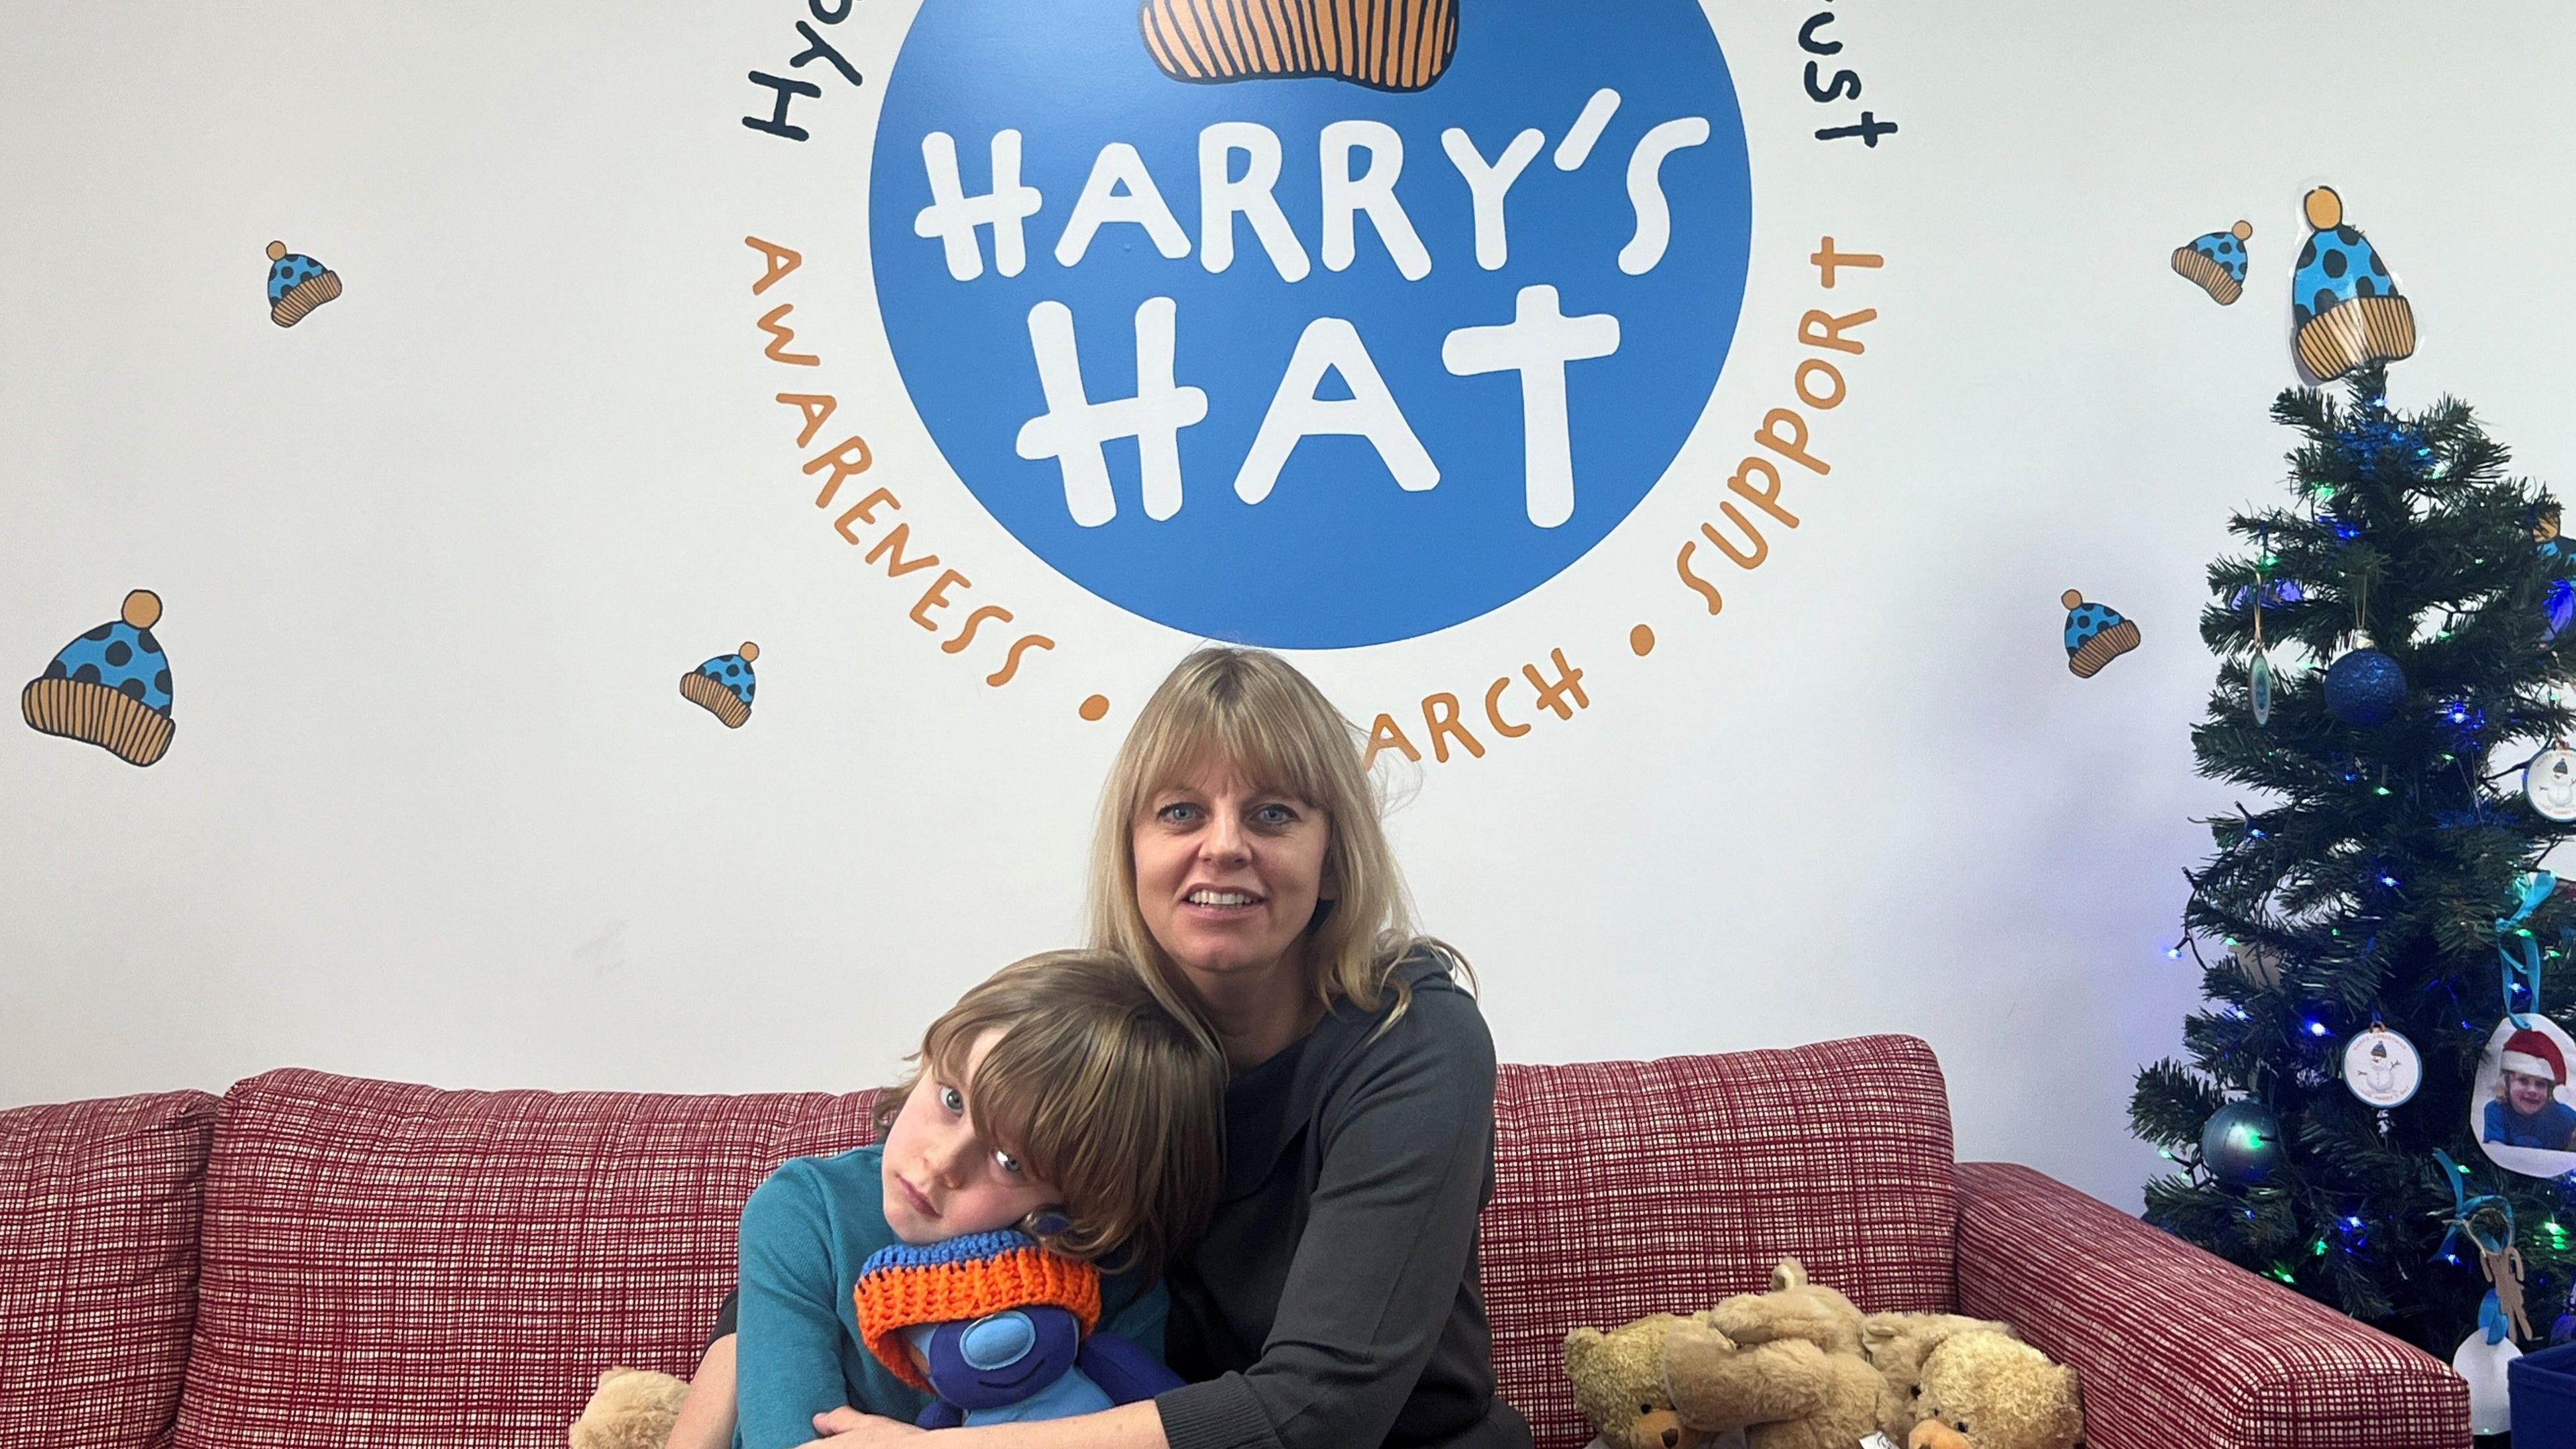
{"x":1332,"y":1302}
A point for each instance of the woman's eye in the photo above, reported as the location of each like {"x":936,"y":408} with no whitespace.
{"x":1274,"y":815}
{"x":1007,"y":1163}
{"x":952,"y":1099}
{"x":1176,"y":813}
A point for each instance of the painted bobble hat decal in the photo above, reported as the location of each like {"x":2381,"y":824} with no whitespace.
{"x":2216,"y":262}
{"x":110,"y":687}
{"x":2095,"y":635}
{"x":2342,"y":300}
{"x":723,"y":685}
{"x":296,"y":285}
{"x":1402,"y":46}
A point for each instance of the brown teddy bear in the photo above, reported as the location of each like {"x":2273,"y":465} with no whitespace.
{"x":631,"y":1409}
{"x":1794,"y":1308}
{"x":1784,"y":1394}
{"x":1897,"y":1342}
{"x":1987,"y":1390}
{"x":1618,"y":1382}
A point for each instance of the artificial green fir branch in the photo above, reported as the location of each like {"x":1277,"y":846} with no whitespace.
{"x":2360,"y":878}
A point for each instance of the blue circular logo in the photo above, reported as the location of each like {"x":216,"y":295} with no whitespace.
{"x":1302,"y":360}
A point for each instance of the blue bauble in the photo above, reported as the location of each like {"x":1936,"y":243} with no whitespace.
{"x":2365,"y":687}
{"x":2242,"y":1142}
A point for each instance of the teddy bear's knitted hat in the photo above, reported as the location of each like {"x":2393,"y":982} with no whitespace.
{"x":964,"y":1278}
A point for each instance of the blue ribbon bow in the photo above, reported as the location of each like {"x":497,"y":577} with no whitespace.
{"x":2518,"y":949}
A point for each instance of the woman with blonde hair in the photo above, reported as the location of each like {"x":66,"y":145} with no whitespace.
{"x":1332,"y":1300}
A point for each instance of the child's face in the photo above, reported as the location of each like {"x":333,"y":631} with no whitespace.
{"x":2530,"y":1093}
{"x":942,"y":1179}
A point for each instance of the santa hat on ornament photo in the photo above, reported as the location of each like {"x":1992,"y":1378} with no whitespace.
{"x":2534,"y":1055}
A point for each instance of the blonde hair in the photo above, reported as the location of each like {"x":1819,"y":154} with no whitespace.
{"x":1097,"y":1087}
{"x":1251,"y":709}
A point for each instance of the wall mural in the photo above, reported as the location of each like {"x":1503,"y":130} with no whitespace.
{"x":1311,"y":325}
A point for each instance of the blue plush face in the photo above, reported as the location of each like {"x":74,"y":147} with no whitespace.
{"x":733,"y":672}
{"x":2336,"y":265}
{"x":1002,"y":1358}
{"x":120,"y":656}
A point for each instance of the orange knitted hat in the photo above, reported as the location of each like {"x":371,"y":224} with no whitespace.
{"x":960,"y":1279}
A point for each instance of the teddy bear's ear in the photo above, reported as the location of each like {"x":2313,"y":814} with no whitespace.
{"x":1579,"y":1346}
{"x":1790,"y":1274}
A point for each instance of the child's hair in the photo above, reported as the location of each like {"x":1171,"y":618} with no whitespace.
{"x":1098,"y":1088}
{"x":1252,"y":709}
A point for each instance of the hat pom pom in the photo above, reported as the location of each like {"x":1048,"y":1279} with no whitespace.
{"x":142,"y":609}
{"x":277,"y":251}
{"x":2324,"y":209}
{"x":749,"y":651}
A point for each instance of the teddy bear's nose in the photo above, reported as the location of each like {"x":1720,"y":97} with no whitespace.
{"x":1672,"y":1438}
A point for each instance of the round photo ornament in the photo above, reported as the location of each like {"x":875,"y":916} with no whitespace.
{"x":2522,"y":1107}
{"x":2382,"y":1068}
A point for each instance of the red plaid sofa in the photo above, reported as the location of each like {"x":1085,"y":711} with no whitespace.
{"x":322,"y":1262}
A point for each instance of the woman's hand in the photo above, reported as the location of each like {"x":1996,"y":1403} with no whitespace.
{"x":850,"y":1429}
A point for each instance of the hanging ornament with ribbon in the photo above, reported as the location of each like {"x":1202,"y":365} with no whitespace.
{"x":2383,"y":1069}
{"x":2365,"y":687}
{"x":2258,"y":675}
{"x":2518,"y":950}
{"x":2549,"y":780}
{"x":2486,"y":1220}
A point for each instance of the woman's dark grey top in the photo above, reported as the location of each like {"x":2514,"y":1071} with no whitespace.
{"x":1333,"y":1302}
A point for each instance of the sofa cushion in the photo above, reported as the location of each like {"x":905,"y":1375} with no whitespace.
{"x":393,"y":1264}
{"x":98,"y":1267}
{"x":1627,"y":1188}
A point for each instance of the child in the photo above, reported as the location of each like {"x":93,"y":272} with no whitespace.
{"x":1058,"y":1097}
{"x":2526,"y":1112}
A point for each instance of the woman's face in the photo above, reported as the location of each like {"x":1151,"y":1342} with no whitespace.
{"x":2530,"y":1093}
{"x":1228,"y":876}
{"x":941,"y":1178}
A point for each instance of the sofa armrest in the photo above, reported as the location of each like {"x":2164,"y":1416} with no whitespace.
{"x":2179,"y":1349}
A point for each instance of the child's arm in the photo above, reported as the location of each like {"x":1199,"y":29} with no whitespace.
{"x":706,"y":1415}
{"x":789,"y":1360}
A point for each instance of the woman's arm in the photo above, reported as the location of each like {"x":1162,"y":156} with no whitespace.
{"x":706,"y":1415}
{"x":789,"y":1357}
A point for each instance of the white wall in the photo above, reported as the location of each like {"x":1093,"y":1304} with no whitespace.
{"x":433,"y":560}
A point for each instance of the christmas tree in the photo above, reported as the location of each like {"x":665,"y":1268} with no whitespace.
{"x":2378,"y":864}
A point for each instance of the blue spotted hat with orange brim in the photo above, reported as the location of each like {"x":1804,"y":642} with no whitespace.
{"x":723,"y":685}
{"x":2216,"y":262}
{"x":110,"y":687}
{"x":2342,"y":300}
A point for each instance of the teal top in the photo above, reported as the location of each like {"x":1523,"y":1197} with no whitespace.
{"x":805,"y":1234}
